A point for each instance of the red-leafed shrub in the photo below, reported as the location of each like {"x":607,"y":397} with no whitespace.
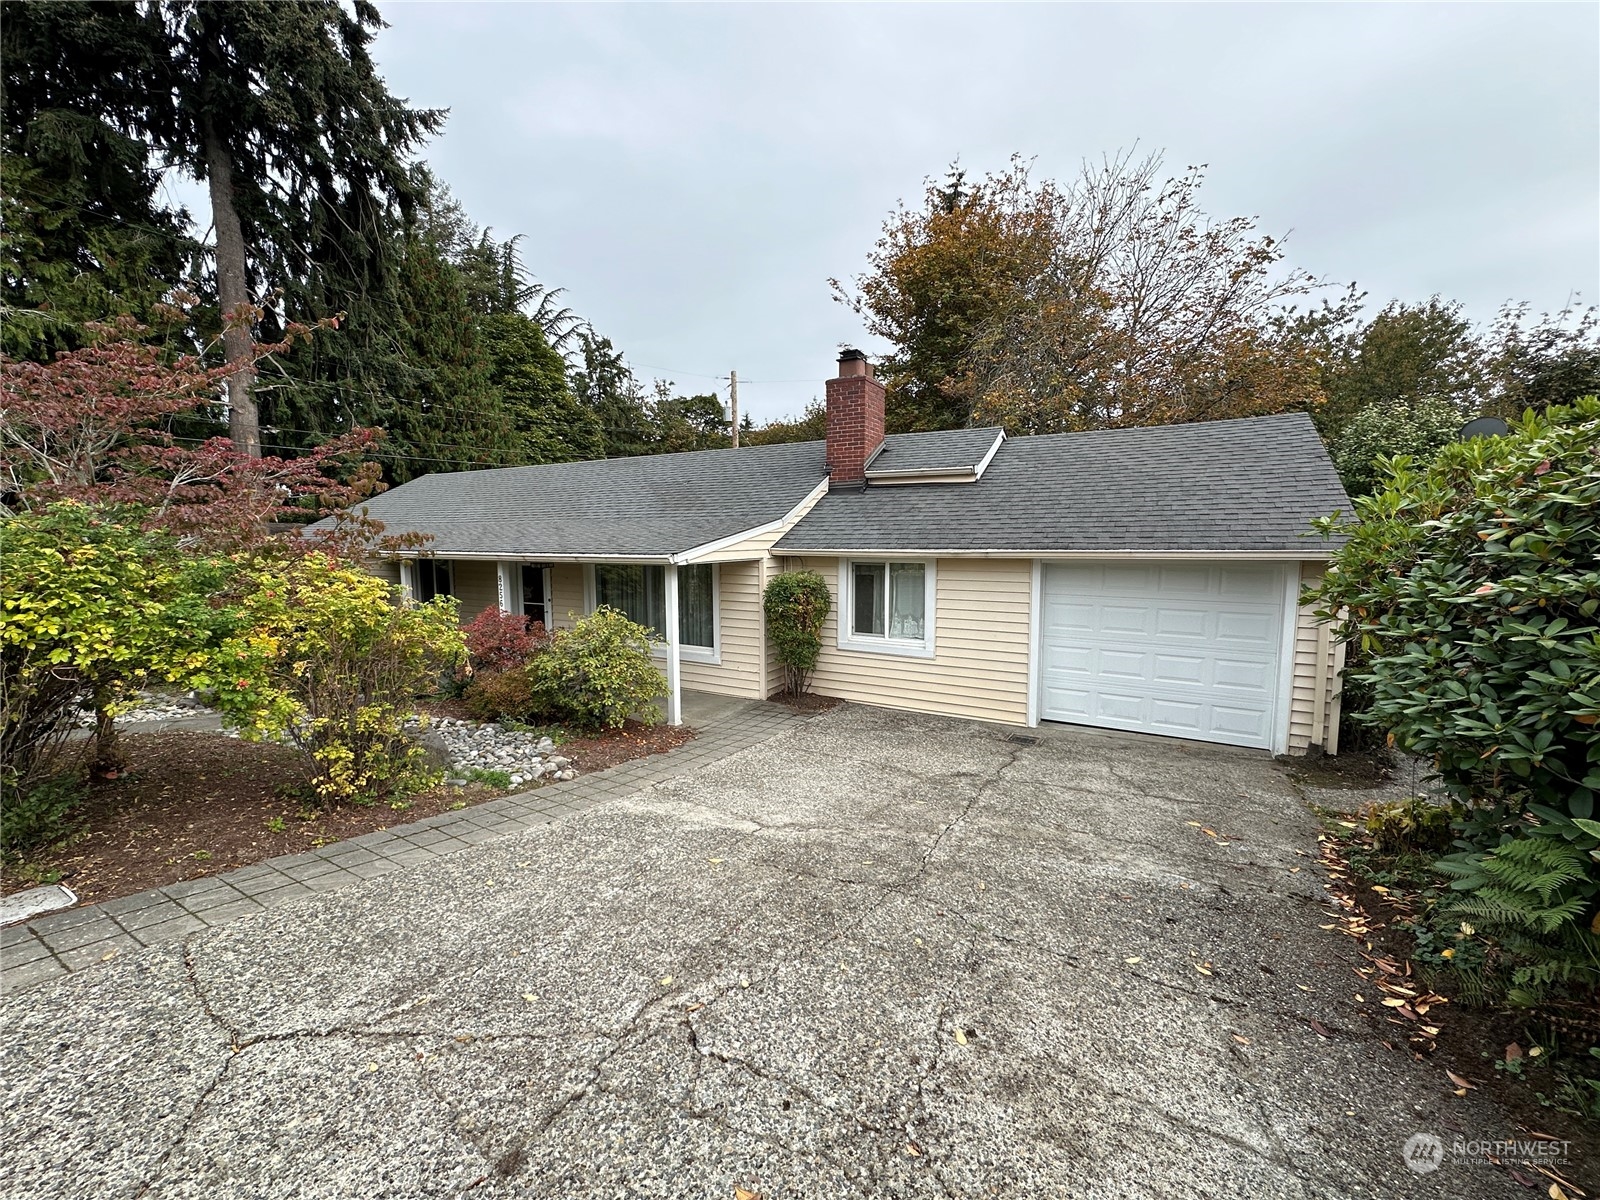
{"x":498,"y":641}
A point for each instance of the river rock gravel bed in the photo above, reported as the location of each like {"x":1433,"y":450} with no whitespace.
{"x":488,"y":746}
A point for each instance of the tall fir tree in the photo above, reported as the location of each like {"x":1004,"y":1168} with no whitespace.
{"x":87,"y":236}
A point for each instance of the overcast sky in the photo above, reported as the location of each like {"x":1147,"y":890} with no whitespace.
{"x":693,"y":175}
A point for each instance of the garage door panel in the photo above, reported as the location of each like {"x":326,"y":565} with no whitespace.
{"x":1122,"y":619}
{"x":1183,"y":623}
{"x":1065,"y":615}
{"x":1177,"y":718}
{"x":1244,"y":675}
{"x":1122,"y":664}
{"x":1117,"y":706}
{"x":1186,"y":650}
{"x":1245,"y":583}
{"x":1244,"y":723}
{"x":1178,"y":669}
{"x":1248,"y":628}
{"x":1072,"y":703}
{"x":1175,"y":580}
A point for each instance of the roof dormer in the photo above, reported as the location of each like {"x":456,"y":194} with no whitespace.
{"x":945,"y":456}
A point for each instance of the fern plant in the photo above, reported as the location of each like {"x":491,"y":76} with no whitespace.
{"x":1535,"y":896}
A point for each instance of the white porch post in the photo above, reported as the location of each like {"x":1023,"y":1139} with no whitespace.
{"x":509,"y":576}
{"x":674,"y":689}
{"x":408,"y":579}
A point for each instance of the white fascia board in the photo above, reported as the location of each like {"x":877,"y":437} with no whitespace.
{"x":935,"y":476}
{"x":1053,"y":555}
{"x":521,"y":556}
{"x":983,"y":463}
{"x":733,"y":539}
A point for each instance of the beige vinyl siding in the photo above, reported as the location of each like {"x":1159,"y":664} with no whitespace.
{"x":1318,"y":662}
{"x":740,"y":635}
{"x":980,"y":665}
{"x":566,"y":593}
{"x":387,"y":569}
{"x":476,"y":586}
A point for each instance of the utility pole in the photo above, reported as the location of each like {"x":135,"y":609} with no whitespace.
{"x":733,"y":404}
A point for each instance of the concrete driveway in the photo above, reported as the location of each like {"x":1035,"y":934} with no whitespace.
{"x":879,"y":955}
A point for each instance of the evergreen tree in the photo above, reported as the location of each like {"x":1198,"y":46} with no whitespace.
{"x":279,"y":108}
{"x":87,"y":237}
{"x":550,"y":424}
{"x":444,"y":412}
{"x":605,"y":385}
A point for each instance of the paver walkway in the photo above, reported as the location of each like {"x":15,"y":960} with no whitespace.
{"x":68,"y":941}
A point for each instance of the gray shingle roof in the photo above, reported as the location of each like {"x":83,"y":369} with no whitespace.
{"x":1249,"y":484}
{"x":942,"y":451}
{"x":652,"y":506}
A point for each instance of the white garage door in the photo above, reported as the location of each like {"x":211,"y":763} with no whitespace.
{"x":1187,"y":650}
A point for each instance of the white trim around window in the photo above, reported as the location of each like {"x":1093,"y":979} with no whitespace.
{"x":711,"y":655}
{"x":885,"y":643}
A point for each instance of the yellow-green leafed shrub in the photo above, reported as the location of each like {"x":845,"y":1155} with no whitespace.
{"x":329,"y":660}
{"x":598,"y":673}
{"x":92,"y":607}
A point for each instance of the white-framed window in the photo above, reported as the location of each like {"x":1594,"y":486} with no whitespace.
{"x":640,"y":591}
{"x":886,"y":606}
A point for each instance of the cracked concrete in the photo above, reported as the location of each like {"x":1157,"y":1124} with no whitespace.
{"x":755,"y":975}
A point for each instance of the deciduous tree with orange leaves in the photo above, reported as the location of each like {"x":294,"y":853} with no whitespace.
{"x":1105,"y":301}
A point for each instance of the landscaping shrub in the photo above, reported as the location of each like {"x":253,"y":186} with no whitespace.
{"x":499,"y":641}
{"x":1472,"y":589}
{"x":1415,"y":825}
{"x":39,"y":816}
{"x":510,"y":694}
{"x":599,"y":673}
{"x":329,"y":661}
{"x":797,"y":603}
{"x":94,"y":608}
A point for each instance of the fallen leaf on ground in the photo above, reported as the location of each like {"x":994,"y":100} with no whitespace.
{"x":530,"y":997}
{"x":1134,"y":959}
{"x":1459,"y":1081}
{"x":961,"y":1037}
{"x":1243,"y":1041}
{"x":1203,"y":968}
{"x":1513,"y":1052}
{"x":740,"y":1193}
{"x":666,"y":980}
{"x":714,"y":860}
{"x":1319,"y":1028}
{"x":913,"y":1150}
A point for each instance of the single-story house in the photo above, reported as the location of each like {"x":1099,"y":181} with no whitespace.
{"x":1140,"y":579}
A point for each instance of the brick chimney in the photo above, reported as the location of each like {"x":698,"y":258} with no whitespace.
{"x":855,"y":419}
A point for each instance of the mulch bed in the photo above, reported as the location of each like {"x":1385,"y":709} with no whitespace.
{"x":196,"y":804}
{"x":808,"y":702}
